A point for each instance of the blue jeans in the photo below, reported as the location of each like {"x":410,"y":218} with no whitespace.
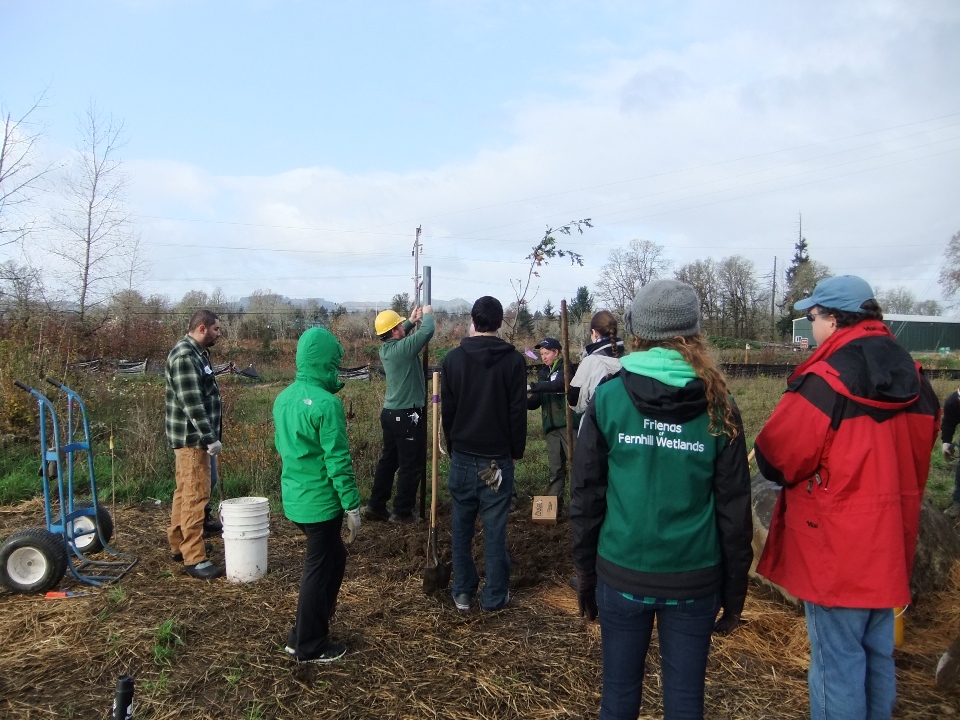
{"x":471,"y":497}
{"x":684,"y":631}
{"x":852,"y":674}
{"x":207,"y":510}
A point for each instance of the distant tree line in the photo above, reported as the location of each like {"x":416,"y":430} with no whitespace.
{"x":94,"y":236}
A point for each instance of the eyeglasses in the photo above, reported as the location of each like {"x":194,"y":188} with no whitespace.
{"x":812,"y":316}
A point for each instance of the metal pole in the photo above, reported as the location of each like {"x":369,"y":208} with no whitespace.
{"x":427,"y":399}
{"x":416,"y":270}
{"x":567,"y":377}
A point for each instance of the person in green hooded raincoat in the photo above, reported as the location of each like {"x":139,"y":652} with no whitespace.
{"x":317,"y":485}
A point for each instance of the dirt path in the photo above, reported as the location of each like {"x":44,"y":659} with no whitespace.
{"x":410,"y":656}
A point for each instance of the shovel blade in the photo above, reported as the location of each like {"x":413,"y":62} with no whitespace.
{"x":436,"y":575}
{"x":436,"y":578}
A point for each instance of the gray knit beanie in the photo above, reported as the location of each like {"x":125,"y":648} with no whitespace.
{"x":664,"y":309}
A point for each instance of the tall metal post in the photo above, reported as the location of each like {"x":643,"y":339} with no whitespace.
{"x":567,"y":377}
{"x":416,"y":269}
{"x":427,"y":399}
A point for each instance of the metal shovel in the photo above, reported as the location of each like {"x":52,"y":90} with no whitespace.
{"x":436,"y":575}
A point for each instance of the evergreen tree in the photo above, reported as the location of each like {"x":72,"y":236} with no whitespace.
{"x":582,"y":305}
{"x":801,"y":278}
{"x":524,"y":323}
{"x":549,"y":312}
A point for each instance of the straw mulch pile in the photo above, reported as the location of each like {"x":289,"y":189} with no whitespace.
{"x":411,"y":656}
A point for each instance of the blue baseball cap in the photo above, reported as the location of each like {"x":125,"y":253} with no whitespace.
{"x":549,"y":343}
{"x":840,"y":292}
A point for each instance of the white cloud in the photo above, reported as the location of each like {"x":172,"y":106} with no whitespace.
{"x":711,"y":146}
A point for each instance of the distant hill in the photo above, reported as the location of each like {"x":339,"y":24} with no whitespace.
{"x":455,"y":305}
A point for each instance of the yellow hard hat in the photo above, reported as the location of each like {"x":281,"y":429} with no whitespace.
{"x":387,"y":321}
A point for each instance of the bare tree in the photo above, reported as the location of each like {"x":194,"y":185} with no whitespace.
{"x":192,"y":301}
{"x":20,"y":173}
{"x":21,"y":289}
{"x":95,"y":223}
{"x":899,"y":300}
{"x":928,"y":307}
{"x":269,"y":315}
{"x":743,"y":298}
{"x":950,"y":274}
{"x":702,"y":276}
{"x":629,"y":269}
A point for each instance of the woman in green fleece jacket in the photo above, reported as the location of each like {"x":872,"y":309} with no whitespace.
{"x":660,"y":507}
{"x":317,"y":484}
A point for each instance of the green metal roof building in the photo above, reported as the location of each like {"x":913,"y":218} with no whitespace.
{"x":917,"y":333}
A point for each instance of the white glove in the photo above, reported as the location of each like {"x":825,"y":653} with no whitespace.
{"x":948,"y":450}
{"x":214,"y":448}
{"x":353,"y":524}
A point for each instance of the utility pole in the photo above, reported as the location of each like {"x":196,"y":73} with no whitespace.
{"x":773,"y":303}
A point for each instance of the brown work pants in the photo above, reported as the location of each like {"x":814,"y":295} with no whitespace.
{"x":189,"y":499}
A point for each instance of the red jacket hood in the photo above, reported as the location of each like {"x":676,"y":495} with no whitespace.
{"x":865,"y":363}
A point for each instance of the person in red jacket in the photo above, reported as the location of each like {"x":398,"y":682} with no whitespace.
{"x":850,"y":442}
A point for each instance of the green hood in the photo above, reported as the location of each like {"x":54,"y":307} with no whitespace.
{"x":318,"y":359}
{"x":667,"y":366}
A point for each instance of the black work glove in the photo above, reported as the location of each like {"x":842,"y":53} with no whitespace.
{"x":727,"y":623}
{"x":587,"y":595}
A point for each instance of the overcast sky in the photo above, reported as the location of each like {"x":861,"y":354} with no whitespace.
{"x":296,"y":146}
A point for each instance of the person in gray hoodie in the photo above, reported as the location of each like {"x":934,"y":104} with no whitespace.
{"x":602,"y":359}
{"x":483,"y":386}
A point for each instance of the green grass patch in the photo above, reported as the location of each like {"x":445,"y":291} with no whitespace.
{"x":166,"y":642}
{"x":140,"y":465}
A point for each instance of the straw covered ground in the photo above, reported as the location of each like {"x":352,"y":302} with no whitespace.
{"x":215,"y":650}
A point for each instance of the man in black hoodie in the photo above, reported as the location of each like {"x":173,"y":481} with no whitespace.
{"x":484,"y":416}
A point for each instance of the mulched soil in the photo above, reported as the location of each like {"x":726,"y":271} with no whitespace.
{"x":410,"y":655}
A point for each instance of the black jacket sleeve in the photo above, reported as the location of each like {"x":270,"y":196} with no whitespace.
{"x":544,"y":384}
{"x":731,"y":492}
{"x":518,"y":408}
{"x":448,"y":405}
{"x":588,"y":493}
{"x":951,"y":417}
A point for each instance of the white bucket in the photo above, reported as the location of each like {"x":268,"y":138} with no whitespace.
{"x":246,"y":526}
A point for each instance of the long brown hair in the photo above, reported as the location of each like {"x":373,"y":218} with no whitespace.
{"x":605,"y":323}
{"x":695,"y":351}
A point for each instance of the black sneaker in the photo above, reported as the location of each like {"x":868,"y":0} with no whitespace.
{"x":205,"y":570}
{"x":370,"y":513}
{"x":463,"y":601}
{"x":328,"y":653}
{"x":178,"y":556}
{"x":404,"y":519}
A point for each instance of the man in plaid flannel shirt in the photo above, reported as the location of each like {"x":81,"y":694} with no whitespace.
{"x":193,"y":431}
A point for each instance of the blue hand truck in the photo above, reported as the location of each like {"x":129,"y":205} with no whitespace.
{"x":36,"y":559}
